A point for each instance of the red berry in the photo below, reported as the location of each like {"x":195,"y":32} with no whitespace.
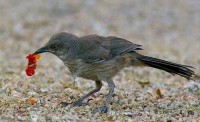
{"x":30,"y":72}
{"x":32,"y":59}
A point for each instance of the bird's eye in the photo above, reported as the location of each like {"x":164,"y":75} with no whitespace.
{"x":54,"y":47}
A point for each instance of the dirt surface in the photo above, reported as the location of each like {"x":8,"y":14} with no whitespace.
{"x":167,"y":29}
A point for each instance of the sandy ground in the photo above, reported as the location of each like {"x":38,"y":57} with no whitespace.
{"x":167,"y":29}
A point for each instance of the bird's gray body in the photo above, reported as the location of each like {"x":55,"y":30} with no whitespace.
{"x":100,"y":58}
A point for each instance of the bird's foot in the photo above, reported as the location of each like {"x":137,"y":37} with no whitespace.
{"x":102,"y":109}
{"x":64,"y":104}
{"x":78,"y":102}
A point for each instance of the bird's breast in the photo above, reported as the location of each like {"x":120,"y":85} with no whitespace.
{"x":81,"y":69}
{"x":96,"y":71}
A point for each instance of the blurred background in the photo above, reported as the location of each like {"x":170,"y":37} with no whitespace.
{"x":167,"y":29}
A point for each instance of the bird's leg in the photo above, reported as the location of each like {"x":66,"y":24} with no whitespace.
{"x":104,"y":108}
{"x":80,"y":100}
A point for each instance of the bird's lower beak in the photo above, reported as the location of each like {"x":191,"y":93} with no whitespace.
{"x":41,"y":50}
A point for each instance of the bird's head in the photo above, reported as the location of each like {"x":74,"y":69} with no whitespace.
{"x":58,"y":44}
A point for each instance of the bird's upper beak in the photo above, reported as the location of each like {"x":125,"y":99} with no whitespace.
{"x":41,"y":50}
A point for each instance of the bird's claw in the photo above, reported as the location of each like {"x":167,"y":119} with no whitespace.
{"x":65,"y":104}
{"x":78,"y":103}
{"x":102,"y":109}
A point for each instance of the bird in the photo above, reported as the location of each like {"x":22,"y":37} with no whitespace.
{"x":99,"y":58}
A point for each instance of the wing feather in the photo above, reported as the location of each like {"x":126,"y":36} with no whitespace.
{"x":97,"y":49}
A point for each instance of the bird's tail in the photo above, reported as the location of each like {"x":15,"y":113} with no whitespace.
{"x":173,"y":68}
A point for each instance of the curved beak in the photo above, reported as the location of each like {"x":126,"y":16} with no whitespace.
{"x":41,"y":50}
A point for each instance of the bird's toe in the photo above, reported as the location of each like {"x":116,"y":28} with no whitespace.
{"x":64,"y":104}
{"x":102,"y":109}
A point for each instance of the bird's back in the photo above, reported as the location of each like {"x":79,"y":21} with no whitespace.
{"x":101,"y":57}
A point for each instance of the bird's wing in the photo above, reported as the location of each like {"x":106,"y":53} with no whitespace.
{"x":121,"y":46}
{"x":96,"y":49}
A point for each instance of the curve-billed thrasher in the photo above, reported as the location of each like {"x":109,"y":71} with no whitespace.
{"x":100,"y":58}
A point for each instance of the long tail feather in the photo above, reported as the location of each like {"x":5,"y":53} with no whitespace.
{"x":173,"y":68}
